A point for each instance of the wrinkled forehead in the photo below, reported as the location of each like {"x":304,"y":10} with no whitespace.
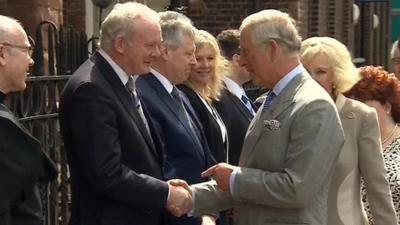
{"x":16,"y":34}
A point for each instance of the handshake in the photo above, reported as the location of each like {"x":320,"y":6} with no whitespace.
{"x":180,"y":199}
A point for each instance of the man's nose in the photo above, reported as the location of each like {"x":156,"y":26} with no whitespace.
{"x":193,"y":60}
{"x":31,"y":62}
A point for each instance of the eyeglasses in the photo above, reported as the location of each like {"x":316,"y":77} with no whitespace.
{"x":28,"y":49}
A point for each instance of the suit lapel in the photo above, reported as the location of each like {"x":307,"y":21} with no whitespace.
{"x":164,"y":96}
{"x":109,"y":74}
{"x":239,"y":104}
{"x":197,"y":123}
{"x":278,"y":106}
{"x":285,"y":98}
{"x":172,"y":105}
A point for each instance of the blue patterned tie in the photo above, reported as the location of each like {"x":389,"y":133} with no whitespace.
{"x":247,"y":103}
{"x":268,"y":100}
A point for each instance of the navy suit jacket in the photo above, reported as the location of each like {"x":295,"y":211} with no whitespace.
{"x":115,"y":165}
{"x":186,"y":157}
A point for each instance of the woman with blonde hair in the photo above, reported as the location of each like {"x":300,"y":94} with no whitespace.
{"x":329,"y":63}
{"x":203,"y":87}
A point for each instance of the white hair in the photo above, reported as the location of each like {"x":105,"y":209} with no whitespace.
{"x":174,"y":27}
{"x":121,"y":20}
{"x":8,"y":25}
{"x":275,"y":25}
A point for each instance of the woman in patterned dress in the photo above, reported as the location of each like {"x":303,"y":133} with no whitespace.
{"x":329,"y":63}
{"x":381,"y":90}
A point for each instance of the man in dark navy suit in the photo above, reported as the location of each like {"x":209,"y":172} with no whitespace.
{"x":234,"y":107}
{"x":115,"y":162}
{"x":185,"y":146}
{"x":22,"y":163}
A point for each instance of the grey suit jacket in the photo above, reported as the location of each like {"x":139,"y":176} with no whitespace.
{"x":361,"y":156}
{"x":286,"y":163}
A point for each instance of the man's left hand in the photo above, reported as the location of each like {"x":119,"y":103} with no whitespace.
{"x":221,"y":173}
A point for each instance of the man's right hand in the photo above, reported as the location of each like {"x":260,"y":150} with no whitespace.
{"x":179,"y":201}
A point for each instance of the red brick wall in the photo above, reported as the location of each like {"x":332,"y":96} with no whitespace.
{"x":74,"y":14}
{"x":221,"y":14}
{"x":32,"y":12}
{"x":218,"y":15}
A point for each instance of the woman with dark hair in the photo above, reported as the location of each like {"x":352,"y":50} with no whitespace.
{"x":381,"y":90}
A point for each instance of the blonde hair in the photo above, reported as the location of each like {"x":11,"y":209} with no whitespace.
{"x":121,"y":21}
{"x":275,"y":25}
{"x":395,"y":49}
{"x":339,"y":59}
{"x":213,"y":89}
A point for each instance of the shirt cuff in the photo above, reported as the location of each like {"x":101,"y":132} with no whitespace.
{"x":169,"y":191}
{"x":232,"y":179}
{"x":191,"y":213}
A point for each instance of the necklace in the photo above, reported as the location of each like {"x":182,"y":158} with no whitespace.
{"x":389,"y":137}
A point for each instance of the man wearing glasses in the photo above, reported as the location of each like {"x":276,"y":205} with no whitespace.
{"x":22,"y":163}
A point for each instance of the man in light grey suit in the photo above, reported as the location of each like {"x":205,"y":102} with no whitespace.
{"x":292,"y":143}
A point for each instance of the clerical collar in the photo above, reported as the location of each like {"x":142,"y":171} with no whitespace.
{"x":2,"y":97}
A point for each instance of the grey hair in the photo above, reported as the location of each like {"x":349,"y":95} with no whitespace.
{"x":7,"y":26}
{"x":121,"y":21}
{"x":174,"y":27}
{"x":275,"y":25}
{"x":395,"y":48}
{"x":172,"y":15}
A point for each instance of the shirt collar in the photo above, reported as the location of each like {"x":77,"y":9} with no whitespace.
{"x":118,"y":70}
{"x":164,"y":81}
{"x":287,"y":78}
{"x":233,"y":87}
{"x":340,"y":101}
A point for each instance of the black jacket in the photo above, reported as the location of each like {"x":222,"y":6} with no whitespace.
{"x":115,"y":165}
{"x":237,"y":119}
{"x":23,"y":166}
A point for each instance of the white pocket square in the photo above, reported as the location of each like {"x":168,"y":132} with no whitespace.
{"x":272,"y":124}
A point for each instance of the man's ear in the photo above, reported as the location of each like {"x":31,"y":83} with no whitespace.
{"x":164,"y":51}
{"x":273,"y":49}
{"x":236,"y":60}
{"x":119,"y":44}
{"x":2,"y":55}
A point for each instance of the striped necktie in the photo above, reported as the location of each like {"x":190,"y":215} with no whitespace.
{"x":247,"y":103}
{"x":268,"y":100}
{"x":130,"y":85}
